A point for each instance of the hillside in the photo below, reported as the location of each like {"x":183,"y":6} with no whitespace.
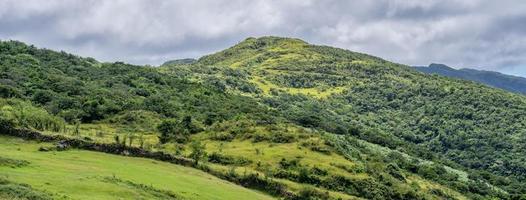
{"x":283,"y":117}
{"x":494,"y":79}
{"x":343,"y":92}
{"x":91,"y":175}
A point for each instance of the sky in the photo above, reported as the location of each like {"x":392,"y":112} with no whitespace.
{"x":481,"y":34}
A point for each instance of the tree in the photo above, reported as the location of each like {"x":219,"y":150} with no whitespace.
{"x":198,"y":151}
{"x":8,"y":92}
{"x":131,"y":138}
{"x":76,"y":130}
{"x":170,"y":130}
{"x":42,"y":96}
{"x":174,"y":130}
{"x":141,"y":140}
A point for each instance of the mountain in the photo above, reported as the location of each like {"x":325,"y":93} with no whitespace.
{"x":495,"y":79}
{"x":183,"y":61}
{"x":277,"y":115}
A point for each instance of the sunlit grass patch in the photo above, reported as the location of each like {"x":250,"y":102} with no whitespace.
{"x":79,"y":174}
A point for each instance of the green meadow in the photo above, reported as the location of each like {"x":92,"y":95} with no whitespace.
{"x":78,"y":174}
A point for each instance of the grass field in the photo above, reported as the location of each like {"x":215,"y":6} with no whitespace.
{"x":262,"y":156}
{"x":78,"y":174}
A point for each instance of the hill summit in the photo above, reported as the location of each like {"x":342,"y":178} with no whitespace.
{"x":271,"y":51}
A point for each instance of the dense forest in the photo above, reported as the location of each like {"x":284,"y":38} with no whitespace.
{"x":278,"y":115}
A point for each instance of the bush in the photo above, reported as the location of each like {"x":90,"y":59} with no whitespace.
{"x":259,"y":137}
{"x":289,"y":164}
{"x":282,"y":137}
{"x":228,"y":160}
{"x":319,"y":171}
{"x":8,"y":91}
{"x":139,"y":120}
{"x":179,"y":131}
{"x":222,"y":136}
{"x":432,"y":172}
{"x":309,"y":193}
{"x":314,"y":145}
{"x":9,"y":190}
{"x":305,"y":176}
{"x":13,"y":163}
{"x":17,"y":113}
{"x":395,"y":171}
{"x":198,"y":151}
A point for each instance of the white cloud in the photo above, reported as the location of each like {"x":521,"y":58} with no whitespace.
{"x":474,"y":33}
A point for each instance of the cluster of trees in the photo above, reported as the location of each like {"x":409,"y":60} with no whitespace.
{"x":15,"y":113}
{"x":76,"y":88}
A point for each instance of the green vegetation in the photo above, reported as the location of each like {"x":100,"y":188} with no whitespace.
{"x":10,"y":190}
{"x":80,"y":174}
{"x":278,"y":115}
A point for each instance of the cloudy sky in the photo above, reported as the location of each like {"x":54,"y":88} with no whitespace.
{"x":479,"y":34}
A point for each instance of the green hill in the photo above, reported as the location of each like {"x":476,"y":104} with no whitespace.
{"x":284,"y":117}
{"x":369,"y":93}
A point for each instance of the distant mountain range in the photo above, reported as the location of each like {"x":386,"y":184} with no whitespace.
{"x":495,"y":79}
{"x":184,"y":61}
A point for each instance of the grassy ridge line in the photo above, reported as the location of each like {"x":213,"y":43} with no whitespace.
{"x":252,"y":181}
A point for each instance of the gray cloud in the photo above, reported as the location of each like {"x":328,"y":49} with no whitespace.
{"x":463,"y":33}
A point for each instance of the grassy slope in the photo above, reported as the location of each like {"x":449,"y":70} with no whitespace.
{"x":265,"y":156}
{"x":268,"y":155}
{"x":84,"y":175}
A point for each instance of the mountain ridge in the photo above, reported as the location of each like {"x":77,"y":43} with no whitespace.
{"x":510,"y":83}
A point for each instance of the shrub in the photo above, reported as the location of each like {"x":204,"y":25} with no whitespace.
{"x":179,"y":131}
{"x":9,"y":190}
{"x":289,"y":164}
{"x":198,"y":151}
{"x":319,"y":171}
{"x":395,"y":171}
{"x":305,"y":176}
{"x":314,"y":145}
{"x":16,"y":113}
{"x":228,"y":160}
{"x":282,"y":137}
{"x":309,"y":193}
{"x":14,"y":163}
{"x":259,"y":137}
{"x":222,"y":136}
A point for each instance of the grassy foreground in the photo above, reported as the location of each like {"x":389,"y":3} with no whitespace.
{"x":78,"y":174}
